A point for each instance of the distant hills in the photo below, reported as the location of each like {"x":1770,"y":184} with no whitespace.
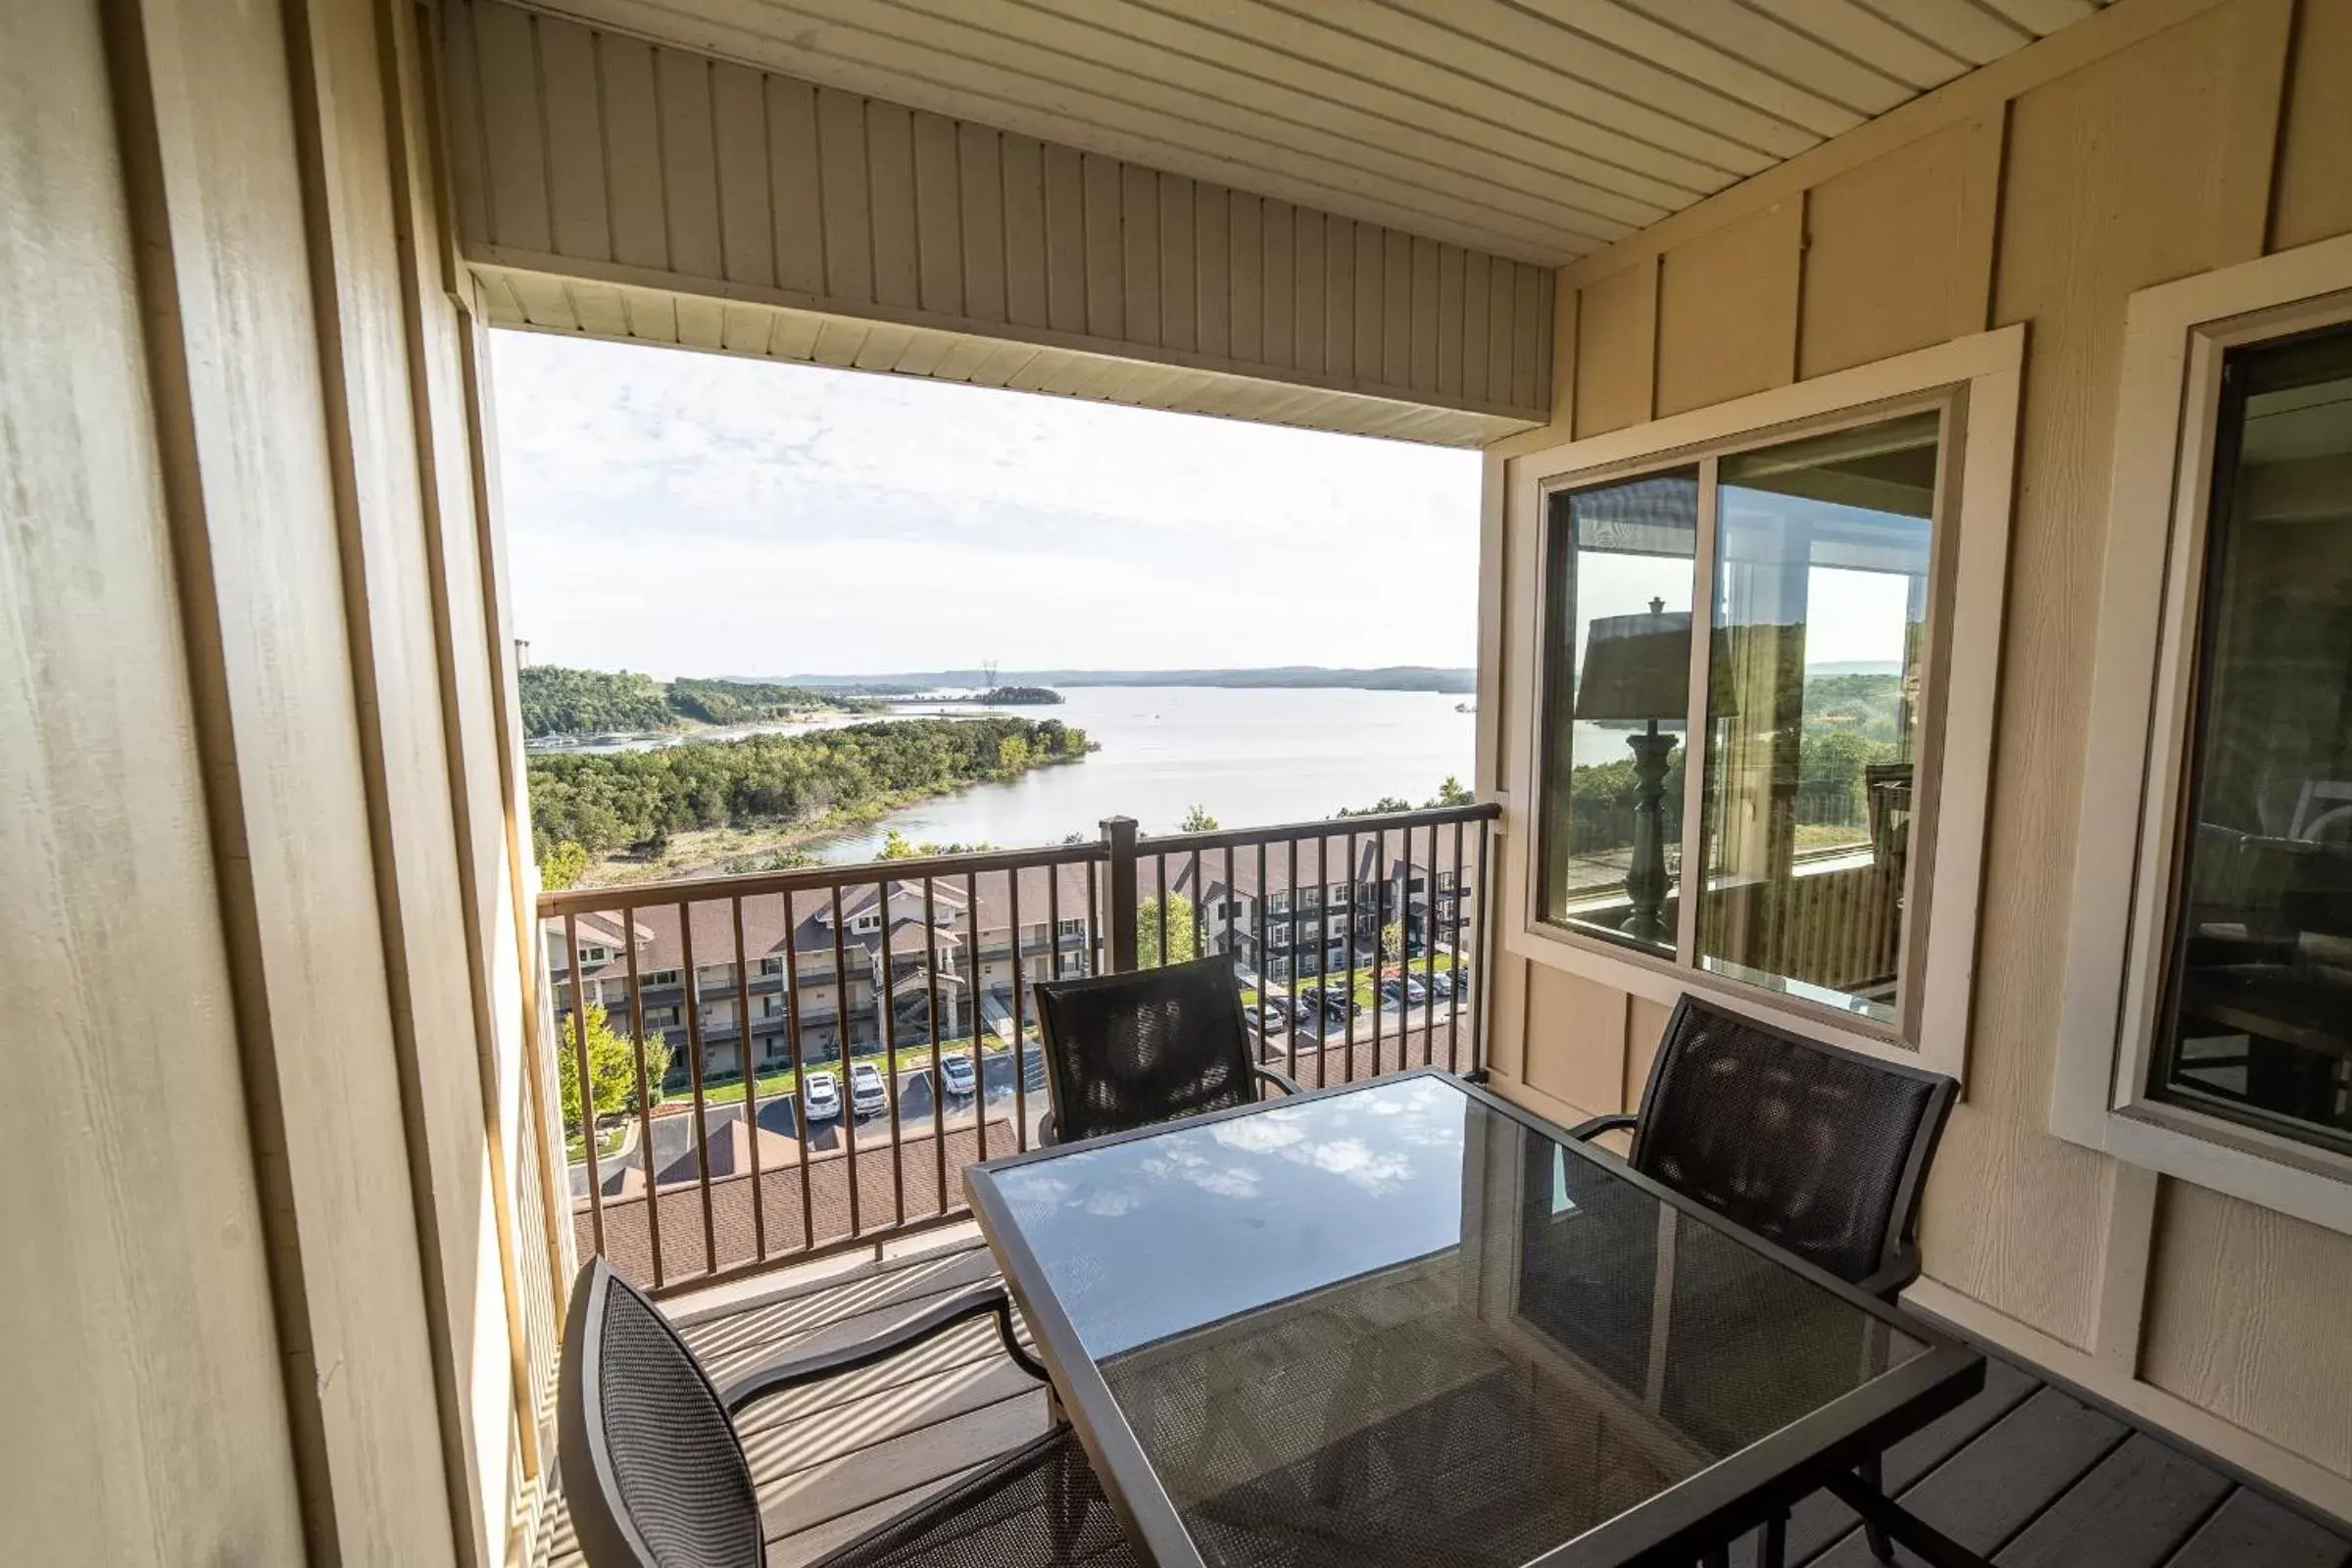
{"x":1388,"y":678}
{"x":556,"y":701}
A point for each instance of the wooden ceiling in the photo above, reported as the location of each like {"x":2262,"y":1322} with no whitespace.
{"x":1537,"y":129}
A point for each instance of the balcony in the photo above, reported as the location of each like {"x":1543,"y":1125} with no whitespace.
{"x":697,"y":1175}
{"x":2025,"y":1473}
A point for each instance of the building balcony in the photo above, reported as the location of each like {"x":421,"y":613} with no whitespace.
{"x":2027,"y":1472}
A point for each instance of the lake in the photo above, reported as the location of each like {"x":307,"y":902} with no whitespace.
{"x":1252,"y":757}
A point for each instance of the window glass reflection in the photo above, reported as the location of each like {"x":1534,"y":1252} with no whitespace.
{"x":2257,"y":1017}
{"x":1820,"y":610}
{"x":1620,"y":587}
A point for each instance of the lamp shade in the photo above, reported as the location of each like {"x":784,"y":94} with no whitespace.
{"x":1636,"y":666}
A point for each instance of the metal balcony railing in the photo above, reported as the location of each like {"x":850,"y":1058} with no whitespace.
{"x":703,"y":1157}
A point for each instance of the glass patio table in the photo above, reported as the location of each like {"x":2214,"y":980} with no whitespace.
{"x":1406,"y":1322}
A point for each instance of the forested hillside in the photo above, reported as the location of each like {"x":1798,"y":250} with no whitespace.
{"x":556,"y":701}
{"x":610,"y":802}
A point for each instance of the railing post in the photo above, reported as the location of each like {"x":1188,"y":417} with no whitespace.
{"x":1118,"y":892}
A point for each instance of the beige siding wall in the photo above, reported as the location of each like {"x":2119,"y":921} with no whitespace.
{"x":613,"y":187}
{"x":138,"y":1310}
{"x":2162,"y":139}
{"x":254,"y":749}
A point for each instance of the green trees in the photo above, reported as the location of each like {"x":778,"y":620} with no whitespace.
{"x":739,"y":702}
{"x":612,"y":1068}
{"x":1198,"y":820}
{"x":562,"y":866}
{"x":1453,"y":792}
{"x":1184,"y":938}
{"x":609,"y":801}
{"x":556,"y":701}
{"x":896,"y":845}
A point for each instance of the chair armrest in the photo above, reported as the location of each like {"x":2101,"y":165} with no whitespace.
{"x":1047,"y":1137}
{"x":791,"y":1371}
{"x":1898,"y":1272}
{"x":1584,"y":1132}
{"x":1282,"y":1079}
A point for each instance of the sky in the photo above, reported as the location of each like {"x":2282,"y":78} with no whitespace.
{"x":687,"y":513}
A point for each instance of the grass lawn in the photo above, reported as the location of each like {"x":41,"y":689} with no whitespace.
{"x":608,"y":1140}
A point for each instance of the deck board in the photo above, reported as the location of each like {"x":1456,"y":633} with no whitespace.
{"x":1821,"y":1521}
{"x":1992,"y":1489}
{"x":2250,"y":1528}
{"x":2022,"y":1472}
{"x":2133,"y":1511}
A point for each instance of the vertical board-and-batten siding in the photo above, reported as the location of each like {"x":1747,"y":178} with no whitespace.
{"x":257,"y":769}
{"x":615,"y":187}
{"x":2161,"y":139}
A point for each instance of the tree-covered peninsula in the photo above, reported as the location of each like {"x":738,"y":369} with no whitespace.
{"x":556,"y":701}
{"x":622,"y":801}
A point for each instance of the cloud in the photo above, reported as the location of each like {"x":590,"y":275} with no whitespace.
{"x":694,"y":513}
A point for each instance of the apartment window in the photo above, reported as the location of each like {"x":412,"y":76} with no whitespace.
{"x":2254,"y":1020}
{"x":2209,"y":929}
{"x":1807,"y":564}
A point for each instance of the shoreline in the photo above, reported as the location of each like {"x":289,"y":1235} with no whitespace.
{"x":709,"y":852}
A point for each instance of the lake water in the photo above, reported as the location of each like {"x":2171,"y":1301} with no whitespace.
{"x":1251,"y":757}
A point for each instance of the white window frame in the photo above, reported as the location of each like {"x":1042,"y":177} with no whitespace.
{"x":2168,"y":405}
{"x":1977,"y":378}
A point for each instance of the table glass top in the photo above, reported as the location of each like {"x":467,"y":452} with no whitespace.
{"x":1396,"y":1325}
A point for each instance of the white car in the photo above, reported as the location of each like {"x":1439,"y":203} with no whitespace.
{"x":821,"y":1092}
{"x":957,"y":1075}
{"x":869,"y":1093}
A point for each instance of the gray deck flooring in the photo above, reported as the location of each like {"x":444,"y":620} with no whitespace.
{"x":2024,"y":1473}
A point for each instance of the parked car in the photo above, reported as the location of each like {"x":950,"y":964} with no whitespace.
{"x":869,"y":1091}
{"x":1440,"y":983}
{"x":820,"y":1095}
{"x":956,"y":1077}
{"x":1413,"y":995}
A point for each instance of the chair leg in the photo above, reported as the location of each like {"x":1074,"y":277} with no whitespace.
{"x":1874,"y":1477}
{"x":1772,"y":1543}
{"x":1717,"y":1557}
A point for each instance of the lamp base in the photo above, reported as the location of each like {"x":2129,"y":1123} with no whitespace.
{"x":1645,"y":881}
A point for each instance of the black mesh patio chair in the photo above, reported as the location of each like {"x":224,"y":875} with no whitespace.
{"x":1126,"y":1051}
{"x":1820,"y":1150}
{"x":655,"y":1477}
